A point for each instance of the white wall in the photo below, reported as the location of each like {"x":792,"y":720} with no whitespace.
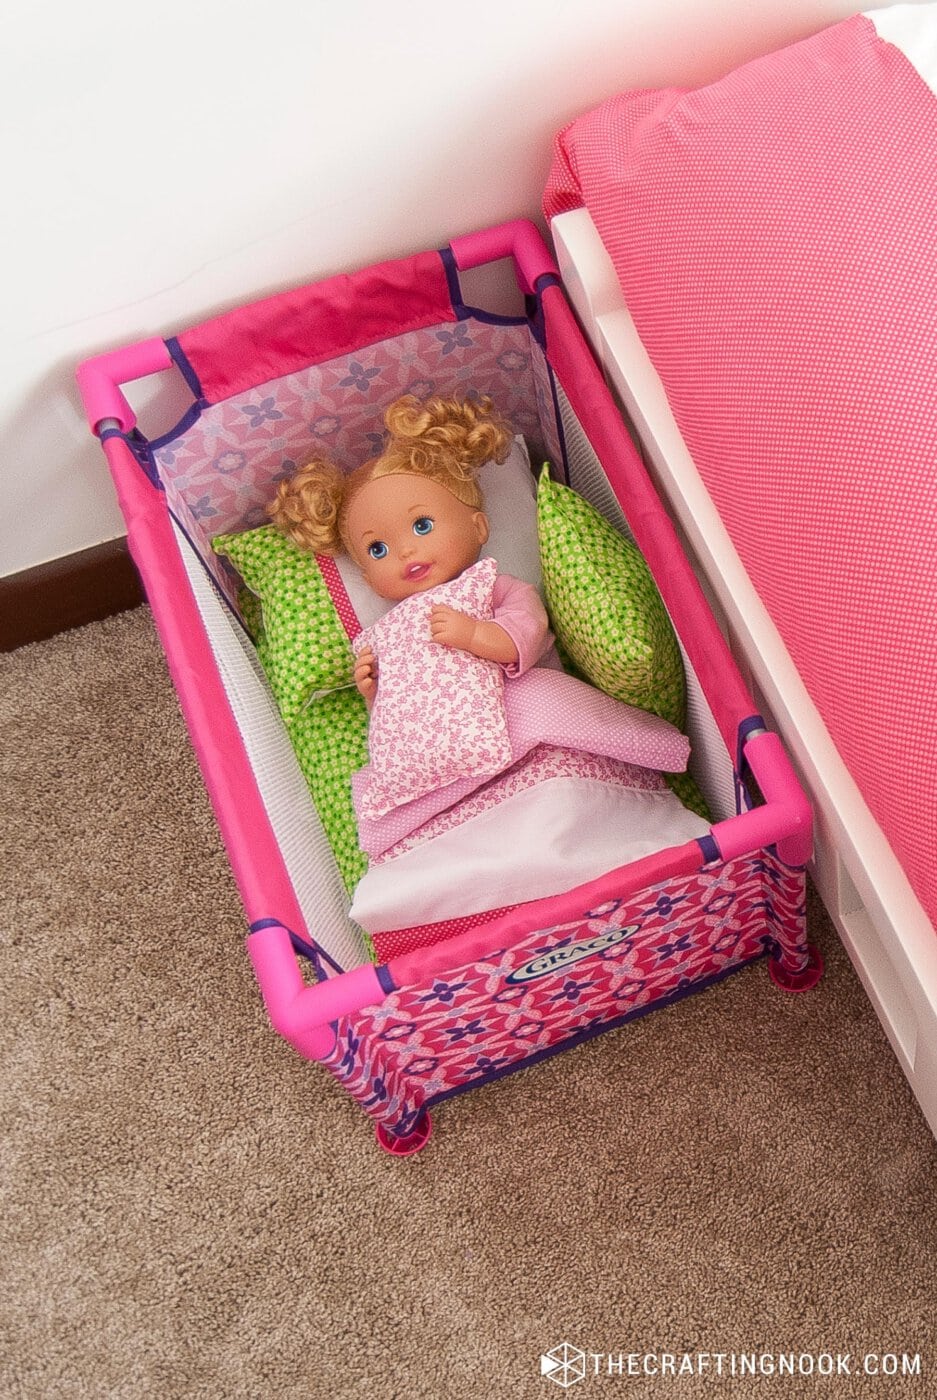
{"x":167,"y":161}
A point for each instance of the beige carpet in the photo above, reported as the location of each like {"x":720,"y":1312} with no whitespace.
{"x":189,"y":1210}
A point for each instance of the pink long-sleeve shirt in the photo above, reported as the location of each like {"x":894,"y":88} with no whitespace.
{"x":516,"y":607}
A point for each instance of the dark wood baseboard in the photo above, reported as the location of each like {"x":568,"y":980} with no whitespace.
{"x":68,"y":592}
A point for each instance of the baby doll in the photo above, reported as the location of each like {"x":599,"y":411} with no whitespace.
{"x":434,"y":668}
{"x":412,"y":518}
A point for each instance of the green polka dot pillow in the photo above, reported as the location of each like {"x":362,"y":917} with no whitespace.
{"x":306,"y":646}
{"x":608,"y":616}
{"x":305,"y":652}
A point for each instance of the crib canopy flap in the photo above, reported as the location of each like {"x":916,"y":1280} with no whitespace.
{"x":308,"y":325}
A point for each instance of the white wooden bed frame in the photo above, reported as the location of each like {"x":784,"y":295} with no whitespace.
{"x":884,"y":928}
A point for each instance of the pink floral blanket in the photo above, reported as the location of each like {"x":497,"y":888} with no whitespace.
{"x":445,"y":722}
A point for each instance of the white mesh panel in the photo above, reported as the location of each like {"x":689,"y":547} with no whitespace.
{"x":710,"y":765}
{"x":306,"y":852}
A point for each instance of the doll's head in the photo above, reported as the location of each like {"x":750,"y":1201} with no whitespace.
{"x":412,"y":517}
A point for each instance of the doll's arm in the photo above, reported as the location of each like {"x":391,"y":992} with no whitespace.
{"x":516,"y":638}
{"x":487,"y":640}
{"x":519,"y":610}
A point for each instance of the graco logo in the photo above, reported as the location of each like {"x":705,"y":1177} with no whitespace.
{"x":545,"y":963}
{"x":564,"y":1365}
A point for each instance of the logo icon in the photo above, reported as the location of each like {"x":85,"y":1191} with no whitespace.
{"x":564,"y":1365}
{"x":546,"y":963}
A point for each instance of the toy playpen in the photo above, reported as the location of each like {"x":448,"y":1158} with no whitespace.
{"x":472,"y":1001}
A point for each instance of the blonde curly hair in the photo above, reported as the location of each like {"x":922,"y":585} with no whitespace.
{"x":447,"y":440}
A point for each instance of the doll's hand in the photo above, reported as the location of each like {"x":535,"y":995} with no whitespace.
{"x":451,"y":628}
{"x":486,"y":640}
{"x":365,"y":676}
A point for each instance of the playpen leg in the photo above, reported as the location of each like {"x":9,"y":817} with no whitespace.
{"x":405,"y":1144}
{"x":800,"y":977}
{"x":794,"y":965}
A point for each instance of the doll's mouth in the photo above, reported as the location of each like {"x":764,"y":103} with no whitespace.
{"x":416,"y":571}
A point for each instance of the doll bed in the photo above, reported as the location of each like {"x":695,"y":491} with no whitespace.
{"x":452,"y":1004}
{"x":753,"y":267}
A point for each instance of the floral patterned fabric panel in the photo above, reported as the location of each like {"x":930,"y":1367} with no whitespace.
{"x":555,"y":985}
{"x":221,"y":471}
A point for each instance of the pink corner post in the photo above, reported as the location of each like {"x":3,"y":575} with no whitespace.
{"x":519,"y":239}
{"x":100,"y":378}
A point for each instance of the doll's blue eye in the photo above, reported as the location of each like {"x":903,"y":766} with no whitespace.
{"x":377,"y":549}
{"x":422,"y":525}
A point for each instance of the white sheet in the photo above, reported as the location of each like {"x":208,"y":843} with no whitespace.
{"x":540,"y":842}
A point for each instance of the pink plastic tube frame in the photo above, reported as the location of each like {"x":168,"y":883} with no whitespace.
{"x":519,"y":239}
{"x":100,"y":378}
{"x":786,"y":819}
{"x":305,"y":1014}
{"x":301,"y":1013}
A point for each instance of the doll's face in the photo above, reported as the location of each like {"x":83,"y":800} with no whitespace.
{"x":408,"y":533}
